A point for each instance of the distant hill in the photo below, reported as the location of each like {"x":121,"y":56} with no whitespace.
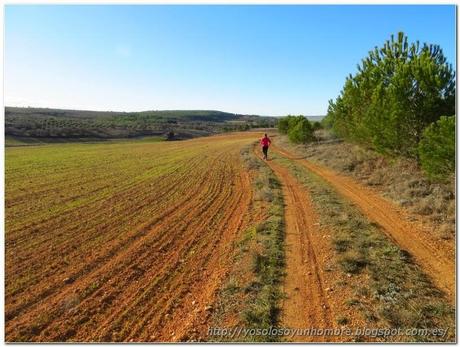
{"x":77,"y":124}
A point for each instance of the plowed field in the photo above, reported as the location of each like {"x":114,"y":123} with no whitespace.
{"x":120,"y":242}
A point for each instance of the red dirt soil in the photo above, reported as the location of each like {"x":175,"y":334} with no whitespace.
{"x":155,"y":283}
{"x":306,"y":304}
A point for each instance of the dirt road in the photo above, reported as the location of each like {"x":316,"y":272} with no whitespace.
{"x":306,"y":304}
{"x":438,"y":263}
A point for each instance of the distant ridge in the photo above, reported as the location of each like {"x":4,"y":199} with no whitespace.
{"x":80,"y":124}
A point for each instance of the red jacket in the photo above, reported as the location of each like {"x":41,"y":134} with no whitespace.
{"x":265,"y":141}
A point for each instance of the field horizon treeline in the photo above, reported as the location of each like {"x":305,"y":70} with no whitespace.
{"x":43,"y":123}
{"x":400,"y":102}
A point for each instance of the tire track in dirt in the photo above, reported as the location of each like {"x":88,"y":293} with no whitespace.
{"x":434,"y":261}
{"x":306,"y":305}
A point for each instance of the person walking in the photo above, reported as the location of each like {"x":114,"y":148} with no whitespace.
{"x":265,"y":143}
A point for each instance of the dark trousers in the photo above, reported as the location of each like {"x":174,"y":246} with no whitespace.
{"x":265,"y":150}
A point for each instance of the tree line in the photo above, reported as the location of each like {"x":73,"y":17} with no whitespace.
{"x":401,"y":101}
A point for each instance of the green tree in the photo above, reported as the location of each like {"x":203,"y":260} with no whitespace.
{"x":294,"y":120}
{"x":288,"y":122}
{"x":283,"y":125}
{"x":437,"y":149}
{"x":316,"y":125}
{"x":301,"y":131}
{"x":398,"y":90}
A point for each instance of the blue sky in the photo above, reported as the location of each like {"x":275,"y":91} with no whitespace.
{"x":270,"y":60}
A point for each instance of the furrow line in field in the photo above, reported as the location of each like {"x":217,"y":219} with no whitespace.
{"x":106,"y":256}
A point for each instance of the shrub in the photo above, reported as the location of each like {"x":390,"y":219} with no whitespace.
{"x":301,"y":132}
{"x":298,"y":128}
{"x":317,"y":125}
{"x":288,"y":122}
{"x":293,"y":120}
{"x":437,"y":149}
{"x":283,"y":125}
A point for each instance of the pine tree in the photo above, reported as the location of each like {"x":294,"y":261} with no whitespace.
{"x":398,"y":90}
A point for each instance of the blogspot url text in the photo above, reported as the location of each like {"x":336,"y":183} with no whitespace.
{"x":236,"y":332}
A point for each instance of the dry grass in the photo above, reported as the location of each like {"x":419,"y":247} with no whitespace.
{"x":400,"y":180}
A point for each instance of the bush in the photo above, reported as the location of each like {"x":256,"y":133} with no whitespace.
{"x":317,"y":125}
{"x":298,"y":128}
{"x":301,"y":132}
{"x":283,"y":125}
{"x":437,"y":149}
{"x":293,"y":120}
